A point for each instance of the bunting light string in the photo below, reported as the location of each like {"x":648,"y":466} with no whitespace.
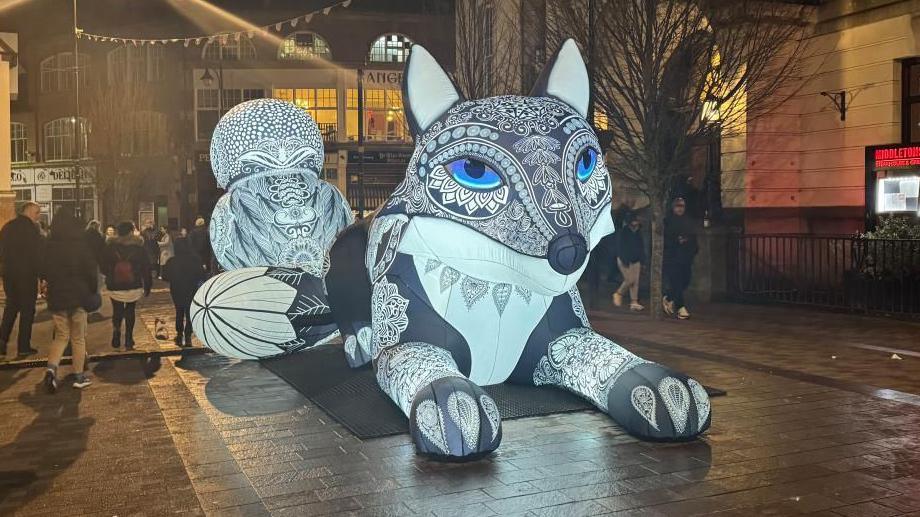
{"x":223,"y":36}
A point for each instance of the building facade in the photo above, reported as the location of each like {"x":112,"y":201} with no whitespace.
{"x":137,"y":134}
{"x":814,"y":168}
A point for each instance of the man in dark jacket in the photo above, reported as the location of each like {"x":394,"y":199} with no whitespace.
{"x":680,"y":248}
{"x":185,"y":273}
{"x":200,"y":241}
{"x":21,"y":249}
{"x":71,"y":273}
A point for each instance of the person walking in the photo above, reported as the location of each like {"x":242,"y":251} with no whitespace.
{"x":165,"y":243}
{"x":680,"y":248}
{"x":71,"y":273}
{"x":127,"y":277}
{"x":185,"y":273}
{"x":630,"y":256}
{"x":152,"y":246}
{"x":21,"y":250}
{"x":110,"y":233}
{"x":201,"y":242}
{"x":96,"y":243}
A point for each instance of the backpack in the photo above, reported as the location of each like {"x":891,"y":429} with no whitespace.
{"x":123,"y":272}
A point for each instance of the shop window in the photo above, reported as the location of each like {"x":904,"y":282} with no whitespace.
{"x":23,"y":196}
{"x":303,"y":46}
{"x":66,"y":197}
{"x":59,"y":139}
{"x":19,"y":141}
{"x":230,"y":49}
{"x":57,"y":72}
{"x":390,"y":48}
{"x":320,"y":103}
{"x":384,"y":117}
{"x":601,"y":122}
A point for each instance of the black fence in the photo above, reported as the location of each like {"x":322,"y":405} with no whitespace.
{"x":866,"y":275}
{"x":377,"y":189}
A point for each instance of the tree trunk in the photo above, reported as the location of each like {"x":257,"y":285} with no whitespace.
{"x":657,"y":259}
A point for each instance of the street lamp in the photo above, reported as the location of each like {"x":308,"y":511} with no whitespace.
{"x":207,"y":79}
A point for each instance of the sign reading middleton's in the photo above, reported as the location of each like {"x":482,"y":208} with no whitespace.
{"x":892,"y":180}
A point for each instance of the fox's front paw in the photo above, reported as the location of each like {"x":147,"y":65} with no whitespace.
{"x":655,"y":403}
{"x":454,"y":419}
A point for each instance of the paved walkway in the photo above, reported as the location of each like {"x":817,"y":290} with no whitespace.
{"x":807,"y":439}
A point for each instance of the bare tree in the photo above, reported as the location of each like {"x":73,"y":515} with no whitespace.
{"x":669,"y":74}
{"x":112,"y":111}
{"x":489,"y":39}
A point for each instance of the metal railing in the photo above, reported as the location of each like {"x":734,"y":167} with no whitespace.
{"x":866,"y":275}
{"x":377,"y":189}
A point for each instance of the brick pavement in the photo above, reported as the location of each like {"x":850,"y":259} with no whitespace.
{"x":250,"y":445}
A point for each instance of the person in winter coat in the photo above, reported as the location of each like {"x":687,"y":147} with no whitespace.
{"x":70,"y":271}
{"x":185,"y":273}
{"x":96,"y":242}
{"x":94,"y":239}
{"x":152,"y":246}
{"x":201,"y":242}
{"x":164,"y":241}
{"x":127,"y":277}
{"x":630,"y":256}
{"x":680,"y":248}
{"x":21,"y":248}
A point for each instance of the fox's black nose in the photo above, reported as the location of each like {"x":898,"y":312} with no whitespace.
{"x":567,"y":252}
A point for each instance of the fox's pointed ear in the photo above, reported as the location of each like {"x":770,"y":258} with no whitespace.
{"x":565,"y":77}
{"x":428,"y":92}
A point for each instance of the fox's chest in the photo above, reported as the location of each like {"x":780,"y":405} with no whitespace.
{"x":496,"y":319}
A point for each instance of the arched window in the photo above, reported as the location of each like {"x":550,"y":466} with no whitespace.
{"x":147,"y":136}
{"x":59,"y":138}
{"x":57,"y":72}
{"x":136,"y":64}
{"x":390,"y":48}
{"x":303,"y":46}
{"x":232,"y":49}
{"x":20,"y":142}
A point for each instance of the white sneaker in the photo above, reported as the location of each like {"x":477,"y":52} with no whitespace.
{"x":81,"y":382}
{"x":683,"y":314}
{"x":618,"y":299}
{"x":667,"y":305}
{"x":636,"y":306}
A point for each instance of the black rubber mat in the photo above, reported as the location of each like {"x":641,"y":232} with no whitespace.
{"x":352,"y":398}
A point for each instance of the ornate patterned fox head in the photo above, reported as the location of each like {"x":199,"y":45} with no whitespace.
{"x":506,"y":185}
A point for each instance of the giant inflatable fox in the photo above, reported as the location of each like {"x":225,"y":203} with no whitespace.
{"x":467,"y":275}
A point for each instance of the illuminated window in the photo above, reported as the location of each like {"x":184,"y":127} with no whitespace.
{"x":59,"y":138}
{"x":390,"y":48}
{"x":230,"y":49}
{"x":303,"y":46}
{"x":601,"y":122}
{"x":20,"y":142}
{"x":320,"y":103}
{"x":384,"y":117}
{"x":57,"y":72}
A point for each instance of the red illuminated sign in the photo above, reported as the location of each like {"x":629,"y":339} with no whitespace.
{"x":896,"y":157}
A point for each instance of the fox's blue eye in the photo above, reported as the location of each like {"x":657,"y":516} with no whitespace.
{"x":586,"y":164}
{"x":474,"y":175}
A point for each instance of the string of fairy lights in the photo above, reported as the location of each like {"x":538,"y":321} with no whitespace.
{"x":223,"y":37}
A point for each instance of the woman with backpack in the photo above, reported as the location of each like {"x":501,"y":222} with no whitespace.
{"x":127,"y":277}
{"x":70,"y":272}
